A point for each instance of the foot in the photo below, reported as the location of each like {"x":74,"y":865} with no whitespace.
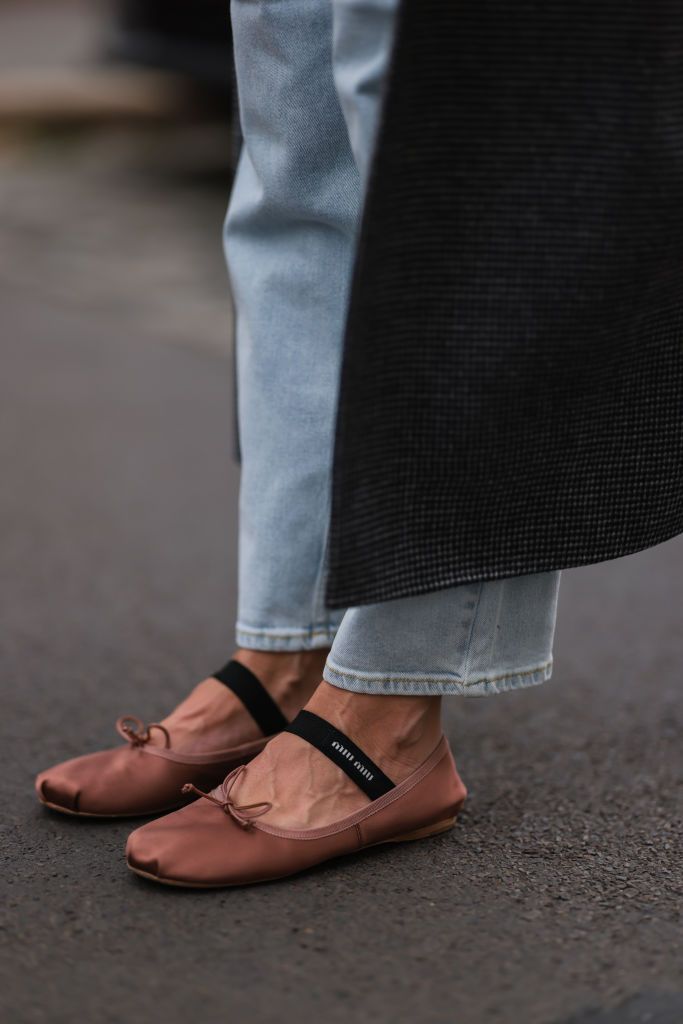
{"x":213,"y":718}
{"x":296,"y":808}
{"x":201,"y":741}
{"x":307,"y":790}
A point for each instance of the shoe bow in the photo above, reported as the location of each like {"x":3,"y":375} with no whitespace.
{"x":137,"y":734}
{"x":243,"y":814}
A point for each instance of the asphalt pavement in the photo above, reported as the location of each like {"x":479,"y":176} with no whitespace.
{"x":556,"y":899}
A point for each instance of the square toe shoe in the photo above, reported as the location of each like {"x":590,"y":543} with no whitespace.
{"x":215,"y":842}
{"x":140,"y":778}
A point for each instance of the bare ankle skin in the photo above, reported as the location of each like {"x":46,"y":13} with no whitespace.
{"x":291,"y":677}
{"x":398,"y":733}
{"x":305,"y":788}
{"x":212,"y":718}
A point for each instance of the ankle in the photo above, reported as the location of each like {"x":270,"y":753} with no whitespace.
{"x":399,"y":733}
{"x":290,"y":677}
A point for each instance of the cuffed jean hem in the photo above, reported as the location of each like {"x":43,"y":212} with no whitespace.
{"x":285,"y":639}
{"x":433,"y":684}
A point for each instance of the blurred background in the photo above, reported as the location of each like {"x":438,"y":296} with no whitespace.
{"x":116,"y":152}
{"x":558,"y":900}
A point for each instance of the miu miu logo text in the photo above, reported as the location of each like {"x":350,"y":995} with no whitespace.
{"x":358,"y":765}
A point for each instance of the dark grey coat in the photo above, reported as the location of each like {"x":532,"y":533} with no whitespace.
{"x":512,"y":390}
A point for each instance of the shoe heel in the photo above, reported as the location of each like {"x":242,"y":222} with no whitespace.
{"x":430,"y":830}
{"x":425,"y":833}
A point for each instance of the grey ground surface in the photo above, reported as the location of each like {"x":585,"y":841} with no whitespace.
{"x":557,"y":898}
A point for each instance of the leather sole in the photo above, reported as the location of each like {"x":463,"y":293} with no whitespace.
{"x":423,"y":833}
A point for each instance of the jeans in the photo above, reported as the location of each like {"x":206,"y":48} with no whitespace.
{"x":310,"y":75}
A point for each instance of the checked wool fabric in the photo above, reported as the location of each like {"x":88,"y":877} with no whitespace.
{"x":512,"y":390}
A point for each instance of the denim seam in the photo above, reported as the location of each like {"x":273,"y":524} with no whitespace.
{"x":321,"y":575}
{"x":473,"y":624}
{"x":367,"y":677}
{"x":305,"y":632}
{"x":508,"y":675}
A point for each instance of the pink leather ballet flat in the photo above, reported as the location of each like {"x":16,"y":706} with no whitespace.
{"x":139,"y":779}
{"x":217,"y":842}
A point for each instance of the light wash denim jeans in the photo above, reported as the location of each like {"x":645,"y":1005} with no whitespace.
{"x":310,"y":76}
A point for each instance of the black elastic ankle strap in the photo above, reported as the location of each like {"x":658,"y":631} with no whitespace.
{"x":343,"y":751}
{"x":254,"y":696}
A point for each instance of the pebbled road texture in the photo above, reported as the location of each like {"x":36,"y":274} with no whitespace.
{"x":556,"y":900}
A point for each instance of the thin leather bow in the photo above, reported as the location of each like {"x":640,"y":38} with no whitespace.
{"x":140,"y":734}
{"x":238,"y":812}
